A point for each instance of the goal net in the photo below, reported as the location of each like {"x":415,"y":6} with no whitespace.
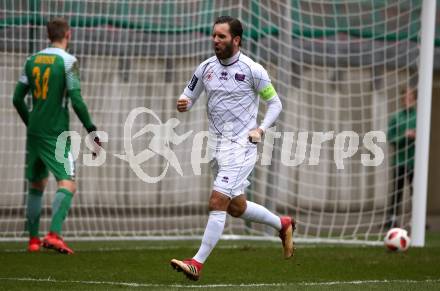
{"x":338,"y":66}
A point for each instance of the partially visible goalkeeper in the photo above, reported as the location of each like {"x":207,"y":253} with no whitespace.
{"x":51,"y":75}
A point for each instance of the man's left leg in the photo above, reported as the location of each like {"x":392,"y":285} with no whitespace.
{"x":254,"y":212}
{"x":248,"y":210}
{"x":37,"y":175}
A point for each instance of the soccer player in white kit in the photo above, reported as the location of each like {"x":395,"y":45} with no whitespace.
{"x":234,"y":84}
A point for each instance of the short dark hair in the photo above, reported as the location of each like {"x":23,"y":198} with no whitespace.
{"x":57,"y":28}
{"x":235,"y":27}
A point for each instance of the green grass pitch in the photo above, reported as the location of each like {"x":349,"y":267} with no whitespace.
{"x":233,"y":265}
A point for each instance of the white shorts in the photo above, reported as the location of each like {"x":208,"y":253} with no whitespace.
{"x":231,"y":168}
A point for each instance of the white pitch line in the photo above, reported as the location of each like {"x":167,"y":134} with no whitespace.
{"x":156,"y":248}
{"x":133,"y":284}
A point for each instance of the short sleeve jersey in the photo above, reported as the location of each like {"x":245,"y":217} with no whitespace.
{"x":49,"y":74}
{"x":233,"y":88}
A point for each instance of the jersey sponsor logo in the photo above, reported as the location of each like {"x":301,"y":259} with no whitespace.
{"x":240,"y":77}
{"x":224,"y":76}
{"x":47,"y":60}
{"x":193,"y":83}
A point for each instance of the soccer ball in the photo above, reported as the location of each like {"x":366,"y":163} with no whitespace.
{"x":397,"y":240}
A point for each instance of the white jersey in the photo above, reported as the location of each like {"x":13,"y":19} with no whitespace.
{"x":233,"y":88}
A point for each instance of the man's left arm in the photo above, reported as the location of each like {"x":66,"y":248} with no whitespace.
{"x":267,"y":92}
{"x":18,"y":100}
{"x":273,"y":110}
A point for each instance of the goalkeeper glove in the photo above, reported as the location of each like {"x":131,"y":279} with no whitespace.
{"x":98,"y":146}
{"x":96,"y":141}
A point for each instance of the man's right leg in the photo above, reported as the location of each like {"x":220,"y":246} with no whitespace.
{"x":61,"y":164}
{"x":33,"y":211}
{"x":37,"y":175}
{"x":218,"y":204}
{"x":61,"y":204}
{"x":60,"y":208}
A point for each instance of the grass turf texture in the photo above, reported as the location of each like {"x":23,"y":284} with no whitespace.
{"x":254,"y":265}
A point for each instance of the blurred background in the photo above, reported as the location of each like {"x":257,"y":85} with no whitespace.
{"x":337,"y":66}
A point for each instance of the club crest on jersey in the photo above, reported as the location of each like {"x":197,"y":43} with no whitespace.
{"x":193,"y":83}
{"x":239,"y":77}
{"x":224,"y":76}
{"x":208,"y":76}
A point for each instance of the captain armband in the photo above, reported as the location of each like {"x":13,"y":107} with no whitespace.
{"x":267,"y":92}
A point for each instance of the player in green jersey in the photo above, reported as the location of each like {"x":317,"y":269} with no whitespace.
{"x":402,"y":136}
{"x":52,"y":77}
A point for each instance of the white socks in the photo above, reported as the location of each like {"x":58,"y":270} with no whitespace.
{"x":257,"y":213}
{"x":216,"y":224}
{"x":213,"y":231}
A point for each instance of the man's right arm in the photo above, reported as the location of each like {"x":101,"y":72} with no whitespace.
{"x":20,"y":93}
{"x":191,"y":92}
{"x":78,"y":104}
{"x":74,"y":93}
{"x":80,"y":108}
{"x":183,"y":103}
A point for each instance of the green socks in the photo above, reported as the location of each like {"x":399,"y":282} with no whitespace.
{"x":60,"y":208}
{"x":33,"y":211}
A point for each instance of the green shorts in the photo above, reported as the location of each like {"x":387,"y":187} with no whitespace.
{"x":41,"y":157}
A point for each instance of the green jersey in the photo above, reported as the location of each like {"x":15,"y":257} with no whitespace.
{"x":404,"y":147}
{"x":51,"y":76}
